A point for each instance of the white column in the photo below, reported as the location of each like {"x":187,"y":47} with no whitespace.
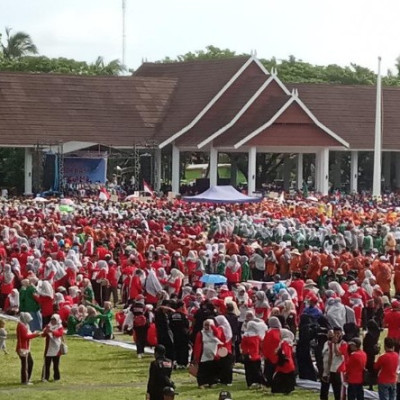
{"x":376,"y":183}
{"x":28,"y":171}
{"x":354,"y":172}
{"x":322,"y":171}
{"x":251,"y":178}
{"x":300,"y":171}
{"x":157,"y":169}
{"x":213,"y":166}
{"x":176,"y":178}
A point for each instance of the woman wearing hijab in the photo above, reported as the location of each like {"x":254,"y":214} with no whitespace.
{"x":307,"y":333}
{"x":225,"y":362}
{"x":284,"y":379}
{"x":53,"y":333}
{"x":205,"y":353}
{"x":24,"y":336}
{"x":371,"y":348}
{"x":45,"y":298}
{"x":6,"y":284}
{"x":250,"y":346}
{"x":11,"y":305}
{"x":28,"y":303}
{"x":175,"y":281}
{"x":233,"y":271}
{"x":261,"y":306}
{"x":270,"y":347}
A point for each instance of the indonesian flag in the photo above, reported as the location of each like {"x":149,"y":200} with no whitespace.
{"x":147,"y":188}
{"x":104,"y":195}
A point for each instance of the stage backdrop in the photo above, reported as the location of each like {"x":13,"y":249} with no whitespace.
{"x":85,"y":170}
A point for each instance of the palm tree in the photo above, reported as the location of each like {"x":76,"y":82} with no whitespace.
{"x":18,"y":45}
{"x":114,"y":67}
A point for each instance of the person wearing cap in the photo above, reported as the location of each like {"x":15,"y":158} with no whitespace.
{"x":355,"y":366}
{"x":159,"y":375}
{"x":169,"y":393}
{"x":225,"y":395}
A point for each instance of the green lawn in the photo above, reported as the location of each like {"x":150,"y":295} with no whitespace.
{"x":93,"y":371}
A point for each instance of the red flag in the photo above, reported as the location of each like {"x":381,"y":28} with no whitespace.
{"x":104,"y":195}
{"x":147,"y":188}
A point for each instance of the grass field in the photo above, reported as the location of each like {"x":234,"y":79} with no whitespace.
{"x":94,"y":371}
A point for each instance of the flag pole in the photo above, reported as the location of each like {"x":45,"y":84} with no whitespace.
{"x":376,"y":186}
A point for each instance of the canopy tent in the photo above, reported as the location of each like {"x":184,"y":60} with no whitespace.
{"x":221,"y":194}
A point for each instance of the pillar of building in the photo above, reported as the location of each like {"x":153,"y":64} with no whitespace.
{"x":213,"y":166}
{"x":252,"y":165}
{"x":299,"y":175}
{"x":157,"y":170}
{"x":387,"y":162}
{"x":354,"y":172}
{"x":176,"y":177}
{"x":28,"y":161}
{"x":322,"y":171}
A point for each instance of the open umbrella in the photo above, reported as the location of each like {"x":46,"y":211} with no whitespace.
{"x":65,"y":208}
{"x":40,"y":200}
{"x":67,"y":202}
{"x":214,"y":279}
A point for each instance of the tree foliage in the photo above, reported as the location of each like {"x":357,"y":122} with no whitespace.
{"x":294,"y":70}
{"x":17,"y":45}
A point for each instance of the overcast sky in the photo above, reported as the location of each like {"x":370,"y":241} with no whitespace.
{"x":318,"y":31}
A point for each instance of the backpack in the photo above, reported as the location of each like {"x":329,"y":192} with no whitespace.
{"x":139,"y":321}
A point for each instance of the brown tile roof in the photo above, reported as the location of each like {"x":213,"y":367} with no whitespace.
{"x":198,"y":83}
{"x":261,"y":111}
{"x":349,"y":111}
{"x":227,"y":107}
{"x":47,"y":109}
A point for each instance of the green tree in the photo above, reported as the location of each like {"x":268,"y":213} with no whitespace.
{"x":17,"y":45}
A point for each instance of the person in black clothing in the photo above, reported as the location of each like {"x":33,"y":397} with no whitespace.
{"x":307,"y":333}
{"x":180,"y":329}
{"x":371,"y":348}
{"x":159,"y":375}
{"x":164,"y":334}
{"x":234,"y":324}
{"x":140,"y":325}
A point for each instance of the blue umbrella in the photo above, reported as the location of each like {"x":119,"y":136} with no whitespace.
{"x":214,"y":279}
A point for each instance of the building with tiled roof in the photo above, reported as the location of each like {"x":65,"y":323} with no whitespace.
{"x":231,"y":106}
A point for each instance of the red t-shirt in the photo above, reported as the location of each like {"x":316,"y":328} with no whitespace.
{"x":392,"y":321}
{"x":288,"y":366}
{"x":355,"y":366}
{"x":386,"y":365}
{"x":251,"y":346}
{"x":270,"y":344}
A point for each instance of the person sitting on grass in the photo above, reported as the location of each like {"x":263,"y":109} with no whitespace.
{"x":88,"y":326}
{"x":73,"y":320}
{"x":106,"y":318}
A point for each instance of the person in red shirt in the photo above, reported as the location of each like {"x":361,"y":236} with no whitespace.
{"x":355,"y":366}
{"x":23,"y":348}
{"x":270,"y":346}
{"x":386,"y":366}
{"x":284,"y":379}
{"x":112,"y":278}
{"x":392,"y":322}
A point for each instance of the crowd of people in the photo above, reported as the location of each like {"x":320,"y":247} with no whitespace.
{"x":307,"y":286}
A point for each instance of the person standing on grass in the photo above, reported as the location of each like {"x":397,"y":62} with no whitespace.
{"x":159,"y":375}
{"x":24,"y":336}
{"x":53,"y":333}
{"x":387,"y":365}
{"x":355,"y":366}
